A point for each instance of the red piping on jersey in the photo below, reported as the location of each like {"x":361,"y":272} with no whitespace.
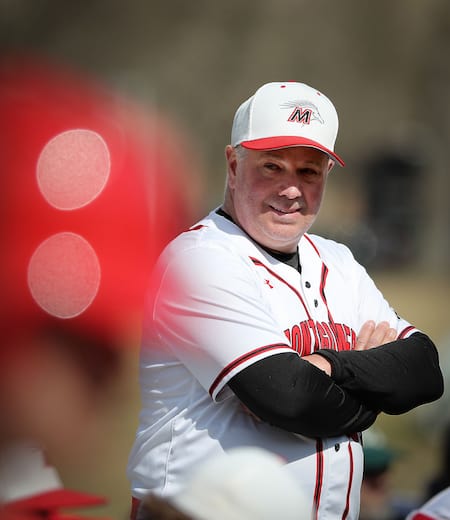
{"x":278,"y":277}
{"x":313,"y":245}
{"x":405,"y":331}
{"x":196,"y":228}
{"x":324,"y":299}
{"x":319,"y":479}
{"x":350,"y":482}
{"x":242,"y":359}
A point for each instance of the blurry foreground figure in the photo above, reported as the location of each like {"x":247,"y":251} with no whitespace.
{"x":246,"y":484}
{"x":32,"y":489}
{"x":437,"y":508}
{"x":91,"y":189}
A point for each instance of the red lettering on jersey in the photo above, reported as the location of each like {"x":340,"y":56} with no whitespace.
{"x":343,"y":337}
{"x":331,"y":335}
{"x":310,"y":335}
{"x":296,"y":339}
{"x":313,"y":328}
{"x":306,"y":339}
{"x":287,"y":333}
{"x":324,"y":341}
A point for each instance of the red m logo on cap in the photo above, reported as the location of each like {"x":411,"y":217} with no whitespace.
{"x":300,"y":115}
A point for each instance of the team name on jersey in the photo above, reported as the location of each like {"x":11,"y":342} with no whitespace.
{"x":311,"y":335}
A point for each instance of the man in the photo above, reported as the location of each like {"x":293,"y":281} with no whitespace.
{"x":260,"y":334}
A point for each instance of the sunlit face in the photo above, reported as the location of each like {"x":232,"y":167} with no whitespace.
{"x":275,"y":195}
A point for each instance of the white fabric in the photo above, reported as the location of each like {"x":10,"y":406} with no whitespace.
{"x":216,"y":312}
{"x":24,"y":473}
{"x":245,"y":484}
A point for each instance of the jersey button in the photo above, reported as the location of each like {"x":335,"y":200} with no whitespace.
{"x":316,"y":303}
{"x":337,"y":447}
{"x":307,"y":285}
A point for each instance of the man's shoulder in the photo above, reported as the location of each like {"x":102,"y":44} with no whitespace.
{"x":326,"y":248}
{"x":213,"y":232}
{"x":213,"y":243}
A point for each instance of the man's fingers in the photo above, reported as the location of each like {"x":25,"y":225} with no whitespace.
{"x":372,"y":335}
{"x":391,"y":335}
{"x":364,"y":335}
{"x":378,"y":335}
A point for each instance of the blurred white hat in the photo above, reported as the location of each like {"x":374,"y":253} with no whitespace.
{"x":286,"y":114}
{"x":28,"y":484}
{"x":245,"y":483}
{"x":437,"y":508}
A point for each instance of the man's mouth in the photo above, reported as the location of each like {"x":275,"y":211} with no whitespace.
{"x":284,"y":211}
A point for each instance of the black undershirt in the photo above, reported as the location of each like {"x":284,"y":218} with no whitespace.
{"x":291,"y":259}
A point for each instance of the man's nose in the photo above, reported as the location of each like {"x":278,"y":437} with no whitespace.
{"x":291,"y":190}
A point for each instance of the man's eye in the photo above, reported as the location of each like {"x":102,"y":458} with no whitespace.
{"x":271,"y":166}
{"x":309,"y":171}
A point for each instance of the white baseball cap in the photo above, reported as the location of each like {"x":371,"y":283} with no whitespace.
{"x":437,"y":508}
{"x":245,"y":483}
{"x":286,"y":114}
{"x":28,"y":484}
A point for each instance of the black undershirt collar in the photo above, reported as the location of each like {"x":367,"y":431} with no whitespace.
{"x":291,"y":259}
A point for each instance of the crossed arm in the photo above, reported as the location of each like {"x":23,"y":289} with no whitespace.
{"x":332,"y":393}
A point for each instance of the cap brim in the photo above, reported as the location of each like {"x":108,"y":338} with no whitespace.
{"x":57,"y":498}
{"x":275,"y":143}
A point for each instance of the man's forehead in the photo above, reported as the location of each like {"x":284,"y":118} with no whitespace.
{"x":307,"y":153}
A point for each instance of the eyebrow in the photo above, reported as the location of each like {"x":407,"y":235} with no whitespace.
{"x":267,"y":154}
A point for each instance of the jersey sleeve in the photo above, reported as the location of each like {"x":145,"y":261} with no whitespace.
{"x":210,"y":313}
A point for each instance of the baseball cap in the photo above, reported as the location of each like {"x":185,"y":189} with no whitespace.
{"x":286,"y":114}
{"x":436,"y":508}
{"x":246,"y":483}
{"x":28,"y":484}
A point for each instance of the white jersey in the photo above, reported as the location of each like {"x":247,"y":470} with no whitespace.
{"x":223,"y":304}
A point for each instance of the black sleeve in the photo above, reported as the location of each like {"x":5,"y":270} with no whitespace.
{"x":393,"y":378}
{"x":290,"y":393}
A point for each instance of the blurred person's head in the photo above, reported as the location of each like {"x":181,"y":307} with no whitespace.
{"x":246,"y":483}
{"x":92,"y":187}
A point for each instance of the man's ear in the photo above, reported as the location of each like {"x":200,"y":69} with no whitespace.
{"x":230,"y":154}
{"x":330,"y":165}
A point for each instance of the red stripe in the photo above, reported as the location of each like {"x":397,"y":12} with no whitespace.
{"x":244,"y":358}
{"x":350,"y":482}
{"x":196,"y":228}
{"x":312,"y":243}
{"x":319,"y":479}
{"x":134,"y":508}
{"x":260,"y":264}
{"x":324,"y":299}
{"x":405,"y":331}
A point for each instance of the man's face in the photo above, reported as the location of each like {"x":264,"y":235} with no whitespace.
{"x":275,"y":195}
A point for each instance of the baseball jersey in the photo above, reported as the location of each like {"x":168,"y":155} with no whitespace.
{"x":222,"y":303}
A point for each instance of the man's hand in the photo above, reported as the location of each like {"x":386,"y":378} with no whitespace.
{"x":372,"y":335}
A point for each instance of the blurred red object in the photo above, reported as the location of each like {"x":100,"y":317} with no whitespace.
{"x":92,"y":186}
